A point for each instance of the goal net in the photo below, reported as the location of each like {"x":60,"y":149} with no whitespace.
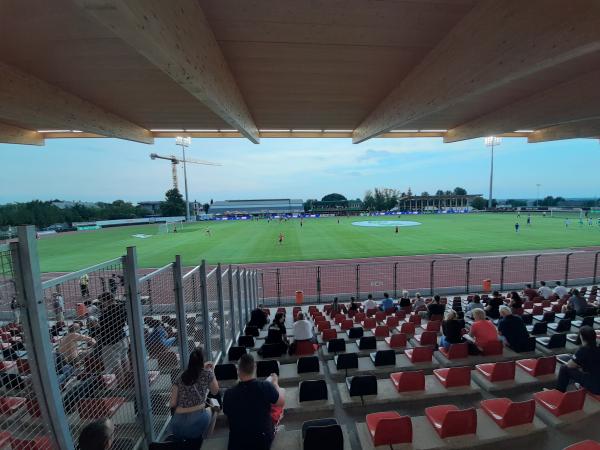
{"x":566,"y":213}
{"x":170,"y":227}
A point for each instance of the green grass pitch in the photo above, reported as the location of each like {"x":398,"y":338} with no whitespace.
{"x":256,"y":241}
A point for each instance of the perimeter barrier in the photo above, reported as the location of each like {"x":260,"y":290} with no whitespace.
{"x":106,"y":341}
{"x":442,"y":275}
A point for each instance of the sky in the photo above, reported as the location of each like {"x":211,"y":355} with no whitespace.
{"x":110,"y":169}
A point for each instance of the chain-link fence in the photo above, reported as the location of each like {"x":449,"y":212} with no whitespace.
{"x":449,"y":275}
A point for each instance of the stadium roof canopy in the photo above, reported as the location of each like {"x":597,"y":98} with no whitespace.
{"x":140,"y":69}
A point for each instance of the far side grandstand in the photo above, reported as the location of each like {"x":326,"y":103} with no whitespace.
{"x":257,"y":206}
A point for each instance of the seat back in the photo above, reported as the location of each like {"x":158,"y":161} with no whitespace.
{"x":557,"y":340}
{"x":308,"y":364}
{"x":391,"y":431}
{"x":367,"y":343}
{"x":317,"y":437}
{"x":385,"y":358}
{"x":236,"y":353}
{"x":434,"y":325}
{"x":570,"y":314}
{"x":422,"y":354}
{"x":416,"y":319}
{"x":398,"y":340}
{"x":544,"y":366}
{"x":530,"y":345}
{"x":563,"y":325}
{"x":346,"y":361}
{"x":273,"y":350}
{"x":458,"y":351}
{"x":458,"y":376}
{"x":407,"y":328}
{"x":380,"y":316}
{"x":266,"y":368}
{"x":356,"y":332}
{"x":322,"y":326}
{"x":329,"y":334}
{"x":392,"y":322}
{"x":503,"y":371}
{"x":346,"y":324}
{"x":537,"y":310}
{"x":493,"y":348}
{"x":370,"y":323}
{"x":382,"y":331}
{"x":274,"y":335}
{"x":362,"y":385}
{"x":571,"y":401}
{"x":549,"y":317}
{"x":459,"y":422}
{"x":305,"y":348}
{"x":540,"y":328}
{"x":225,"y":372}
{"x":409,"y":381}
{"x":519,"y":413}
{"x":312,"y":390}
{"x":428,"y":338}
{"x":246,"y":341}
{"x":588,"y":321}
{"x":251,"y":330}
{"x":336,"y":346}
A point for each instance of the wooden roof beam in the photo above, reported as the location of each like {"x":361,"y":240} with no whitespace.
{"x":496,"y":43}
{"x":26,"y":99}
{"x":581,"y":129}
{"x":176,"y":37}
{"x":14,"y":135}
{"x":571,"y":101}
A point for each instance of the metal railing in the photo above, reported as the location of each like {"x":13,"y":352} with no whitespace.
{"x":118,"y":341}
{"x":457,"y":275}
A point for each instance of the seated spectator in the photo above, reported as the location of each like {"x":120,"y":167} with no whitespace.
{"x":576,"y":303}
{"x":584,"y":366}
{"x":387,"y":303}
{"x":279,"y":324}
{"x":249,"y":408}
{"x":258,"y":318}
{"x":451,"y":330}
{"x":512,"y":330}
{"x":560,"y":290}
{"x":335,"y":307}
{"x":303,"y":331}
{"x":418,"y":304}
{"x":370,"y":303}
{"x":354,"y":305}
{"x":64,"y":370}
{"x":68,"y":345}
{"x":277,"y":333}
{"x":515,"y":302}
{"x":493,"y":305}
{"x":404,"y":300}
{"x":97,"y":435}
{"x":544,"y":291}
{"x":475,"y":304}
{"x":113,"y":337}
{"x":159,"y":338}
{"x":530,"y":292}
{"x":435,"y":308}
{"x":191,"y":418}
{"x":482,"y":331}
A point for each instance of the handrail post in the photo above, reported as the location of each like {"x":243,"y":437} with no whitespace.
{"x":468,"y":274}
{"x":231,"y":303}
{"x":567,"y":269}
{"x":278,"y":284}
{"x":431,"y":276}
{"x":358,"y":282}
{"x":246,"y":306}
{"x":595,"y":267}
{"x":318,"y":284}
{"x":221,"y":307}
{"x":535,"y":270}
{"x":205,"y":311}
{"x":502,"y":272}
{"x":396,"y":279}
{"x":239,"y":299}
{"x":180,"y":313}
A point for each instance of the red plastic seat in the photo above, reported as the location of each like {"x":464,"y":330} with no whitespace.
{"x":305,"y":348}
{"x":392,"y":322}
{"x":23,"y":366}
{"x":419,"y":354}
{"x":401,"y":315}
{"x":323,"y":326}
{"x":10,"y":405}
{"x":433,"y":325}
{"x":382,"y":331}
{"x":339,"y":318}
{"x":369,"y":323}
{"x":97,"y":408}
{"x":584,"y":445}
{"x":371,"y":312}
{"x":359,"y":317}
{"x":7,"y":365}
{"x":538,"y":367}
{"x":347,"y":324}
{"x":397,"y":340}
{"x":456,"y":351}
{"x":38,"y":443}
{"x":453,"y":376}
{"x":538,"y":310}
{"x":559,"y":403}
{"x":407,"y":328}
{"x":4,"y":439}
{"x":389,"y":428}
{"x":416,"y":319}
{"x":500,"y":371}
{"x":427,"y":338}
{"x":492,"y":348}
{"x":380,"y":316}
{"x":33,"y":408}
{"x":408,"y":381}
{"x":329,"y":334}
{"x":507,"y":413}
{"x":448,"y":420}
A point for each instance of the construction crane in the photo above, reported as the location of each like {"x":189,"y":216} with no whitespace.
{"x":175,"y":161}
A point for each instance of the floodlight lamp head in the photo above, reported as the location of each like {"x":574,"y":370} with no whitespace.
{"x":184,"y":141}
{"x":492,"y":141}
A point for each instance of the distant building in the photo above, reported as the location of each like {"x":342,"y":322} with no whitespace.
{"x":410,"y":202}
{"x":70,"y":204}
{"x":258,"y":206}
{"x":152,"y":207}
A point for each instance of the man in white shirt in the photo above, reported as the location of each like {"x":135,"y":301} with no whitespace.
{"x":370,"y":303}
{"x":303,"y":330}
{"x":544,"y":291}
{"x":418,"y":302}
{"x":560,"y":290}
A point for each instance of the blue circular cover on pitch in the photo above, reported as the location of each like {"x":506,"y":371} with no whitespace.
{"x":386,"y":223}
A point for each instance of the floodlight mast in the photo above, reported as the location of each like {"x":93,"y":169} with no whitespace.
{"x":491,"y":141}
